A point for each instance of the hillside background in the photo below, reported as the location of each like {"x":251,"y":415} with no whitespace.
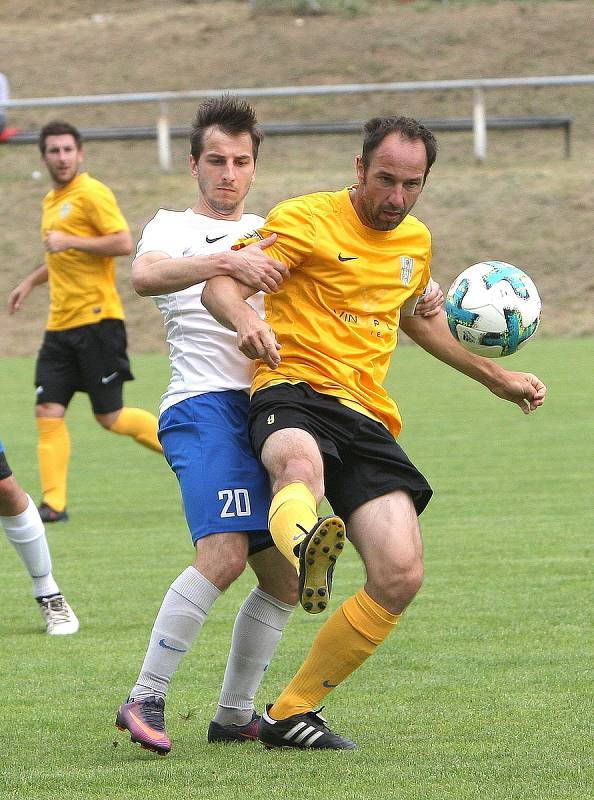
{"x":527,"y":205}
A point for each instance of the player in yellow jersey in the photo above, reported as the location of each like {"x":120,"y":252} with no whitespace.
{"x":84,"y":348}
{"x":320,"y":418}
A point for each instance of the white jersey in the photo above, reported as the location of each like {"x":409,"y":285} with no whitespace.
{"x":203,"y":354}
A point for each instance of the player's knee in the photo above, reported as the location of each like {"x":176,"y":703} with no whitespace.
{"x":49,"y":411}
{"x":411,"y":580}
{"x":229,"y":570}
{"x":229,"y":574}
{"x":300,"y":470}
{"x":222,"y":573}
{"x":401,"y":582}
{"x":13,"y":499}
{"x":107,"y":420}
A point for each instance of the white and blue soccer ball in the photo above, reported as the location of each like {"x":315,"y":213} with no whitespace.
{"x":493,"y":309}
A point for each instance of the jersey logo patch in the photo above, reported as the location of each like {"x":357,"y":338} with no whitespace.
{"x":65,"y":210}
{"x":407,"y":265}
{"x":270,"y":420}
{"x":347,"y":258}
{"x":215,"y":238}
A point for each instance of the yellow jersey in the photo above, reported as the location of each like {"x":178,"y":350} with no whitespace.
{"x":82,"y":285}
{"x":336,"y":316}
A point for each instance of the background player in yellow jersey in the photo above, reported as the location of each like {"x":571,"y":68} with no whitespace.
{"x":84,"y":348}
{"x":319,"y":416}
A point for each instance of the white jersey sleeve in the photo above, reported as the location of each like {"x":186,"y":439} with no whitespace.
{"x":161,"y":234}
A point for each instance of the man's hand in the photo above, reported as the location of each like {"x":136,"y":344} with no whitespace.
{"x":253,"y":267}
{"x":57,"y":241}
{"x":522,"y":388}
{"x":430,"y":304}
{"x":17,"y":297}
{"x":256,"y":339}
{"x":433,"y":335}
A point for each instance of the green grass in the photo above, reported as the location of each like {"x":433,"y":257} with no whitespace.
{"x":483,"y":692}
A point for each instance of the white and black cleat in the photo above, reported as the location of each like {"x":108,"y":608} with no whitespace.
{"x":306,"y":731}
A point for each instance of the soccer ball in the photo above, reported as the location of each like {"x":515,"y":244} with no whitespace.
{"x":493,"y":308}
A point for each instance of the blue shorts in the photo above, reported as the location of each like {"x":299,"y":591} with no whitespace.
{"x":224,"y":487}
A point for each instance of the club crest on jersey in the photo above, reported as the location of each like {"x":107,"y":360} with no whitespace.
{"x":407,"y":265}
{"x":65,"y":210}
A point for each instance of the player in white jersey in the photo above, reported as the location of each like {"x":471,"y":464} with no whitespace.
{"x":24,"y":530}
{"x":202,"y":352}
{"x":203,"y":430}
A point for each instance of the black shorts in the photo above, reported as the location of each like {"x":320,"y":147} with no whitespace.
{"x":91,"y":359}
{"x":362,"y":460}
{"x":5,"y":470}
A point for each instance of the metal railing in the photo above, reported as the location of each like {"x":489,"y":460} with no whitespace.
{"x":478,"y":87}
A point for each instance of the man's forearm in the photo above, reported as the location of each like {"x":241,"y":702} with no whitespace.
{"x":155,"y":276}
{"x":115,"y":244}
{"x":524,"y":389}
{"x":39,"y":275}
{"x":434,"y":336}
{"x":35,"y":278}
{"x":225,"y":298}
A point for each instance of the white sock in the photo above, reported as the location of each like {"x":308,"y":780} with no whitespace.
{"x":257,"y":631}
{"x":180,"y":618}
{"x":26,"y":533}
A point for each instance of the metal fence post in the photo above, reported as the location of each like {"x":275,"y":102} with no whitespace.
{"x":4,"y":95}
{"x":479,"y":124}
{"x":164,"y":139}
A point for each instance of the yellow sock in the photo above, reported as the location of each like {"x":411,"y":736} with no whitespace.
{"x":343,"y":643}
{"x":53,"y":454}
{"x":141,"y":425}
{"x":293,"y":505}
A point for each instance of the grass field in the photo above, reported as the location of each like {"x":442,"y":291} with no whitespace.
{"x":483,"y":692}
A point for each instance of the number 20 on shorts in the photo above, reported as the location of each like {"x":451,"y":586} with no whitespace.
{"x":236,"y":503}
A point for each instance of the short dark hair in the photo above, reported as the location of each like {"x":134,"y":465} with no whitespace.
{"x":58,"y":127}
{"x":378,"y":128}
{"x":231,"y":115}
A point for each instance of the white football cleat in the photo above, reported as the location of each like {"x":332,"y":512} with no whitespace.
{"x":59,"y":618}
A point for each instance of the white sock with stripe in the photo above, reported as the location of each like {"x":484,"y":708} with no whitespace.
{"x":26,"y":533}
{"x":257,"y":631}
{"x":179,"y":621}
